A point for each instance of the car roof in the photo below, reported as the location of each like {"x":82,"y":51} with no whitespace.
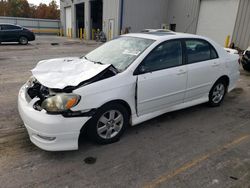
{"x":10,"y":24}
{"x":162,"y":35}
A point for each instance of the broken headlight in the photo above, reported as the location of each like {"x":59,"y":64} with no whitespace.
{"x":60,"y":103}
{"x":32,"y":80}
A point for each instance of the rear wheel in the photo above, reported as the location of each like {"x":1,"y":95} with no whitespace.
{"x":23,"y":40}
{"x":217,"y":93}
{"x":108,"y":124}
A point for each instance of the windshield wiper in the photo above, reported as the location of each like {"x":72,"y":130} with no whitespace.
{"x":96,"y":62}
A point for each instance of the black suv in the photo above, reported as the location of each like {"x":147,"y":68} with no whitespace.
{"x":14,"y":33}
{"x":245,"y":61}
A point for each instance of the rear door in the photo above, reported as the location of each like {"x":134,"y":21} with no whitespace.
{"x":204,"y":68}
{"x":1,"y":34}
{"x":11,"y":33}
{"x":162,"y":78}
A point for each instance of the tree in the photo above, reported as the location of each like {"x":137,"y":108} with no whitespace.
{"x":21,"y":8}
{"x":3,"y":7}
{"x":41,"y":11}
{"x":53,"y":11}
{"x":49,"y":12}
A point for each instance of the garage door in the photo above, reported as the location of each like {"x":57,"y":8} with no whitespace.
{"x":68,"y":18}
{"x":217,"y":19}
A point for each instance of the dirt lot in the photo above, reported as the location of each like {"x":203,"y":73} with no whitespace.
{"x":195,"y":147}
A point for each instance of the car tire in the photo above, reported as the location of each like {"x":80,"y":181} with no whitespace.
{"x":108,"y":124}
{"x":217,"y":93}
{"x":23,"y":40}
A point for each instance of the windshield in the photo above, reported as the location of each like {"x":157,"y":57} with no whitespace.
{"x":120,"y":52}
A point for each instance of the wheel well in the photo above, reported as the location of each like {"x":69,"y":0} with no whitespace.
{"x":23,"y":36}
{"x":225,"y":79}
{"x":122,"y":102}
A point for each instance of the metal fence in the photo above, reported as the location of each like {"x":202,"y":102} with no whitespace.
{"x":38,"y":26}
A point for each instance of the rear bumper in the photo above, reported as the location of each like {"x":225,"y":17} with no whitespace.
{"x":233,"y":80}
{"x":49,"y":132}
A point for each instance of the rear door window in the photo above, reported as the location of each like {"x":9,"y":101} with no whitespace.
{"x":199,"y":50}
{"x":10,"y":27}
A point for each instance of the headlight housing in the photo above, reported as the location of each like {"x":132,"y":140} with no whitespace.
{"x":60,"y":103}
{"x":30,"y":83}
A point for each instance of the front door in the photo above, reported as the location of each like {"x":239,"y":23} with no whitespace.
{"x":162,"y":78}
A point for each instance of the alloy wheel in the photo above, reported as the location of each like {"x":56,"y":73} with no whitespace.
{"x":218,"y":93}
{"x":110,"y":124}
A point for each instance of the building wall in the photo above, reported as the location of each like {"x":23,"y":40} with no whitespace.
{"x":144,"y":14}
{"x":111,"y":11}
{"x":183,"y":13}
{"x":241,"y":35}
{"x":68,"y":3}
{"x":221,"y":23}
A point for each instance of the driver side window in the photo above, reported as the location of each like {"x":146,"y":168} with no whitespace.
{"x":166,"y":55}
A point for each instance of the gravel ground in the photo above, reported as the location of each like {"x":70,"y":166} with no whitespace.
{"x":194,"y":147}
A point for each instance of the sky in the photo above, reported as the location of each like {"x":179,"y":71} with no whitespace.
{"x":37,"y":2}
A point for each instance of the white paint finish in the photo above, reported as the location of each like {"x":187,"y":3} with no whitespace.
{"x":123,"y":87}
{"x":68,"y":17}
{"x":207,"y":72}
{"x":43,"y":124}
{"x":62,"y":72}
{"x":217,"y":19}
{"x":156,"y":90}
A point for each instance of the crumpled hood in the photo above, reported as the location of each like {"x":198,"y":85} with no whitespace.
{"x":62,"y":72}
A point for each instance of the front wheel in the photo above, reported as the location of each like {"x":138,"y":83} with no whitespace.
{"x":23,"y":40}
{"x":108,"y":124}
{"x":217,"y":93}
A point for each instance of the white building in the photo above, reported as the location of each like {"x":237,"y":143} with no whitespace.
{"x":213,"y":18}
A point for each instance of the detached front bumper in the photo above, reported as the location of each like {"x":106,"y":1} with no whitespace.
{"x":49,"y":132}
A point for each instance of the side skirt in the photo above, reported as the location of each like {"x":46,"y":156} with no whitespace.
{"x":136,"y":120}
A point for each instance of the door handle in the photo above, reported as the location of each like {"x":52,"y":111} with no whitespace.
{"x":181,"y":71}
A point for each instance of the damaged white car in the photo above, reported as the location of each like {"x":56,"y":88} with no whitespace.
{"x":124,"y":82}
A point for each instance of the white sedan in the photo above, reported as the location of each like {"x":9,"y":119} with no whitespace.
{"x":124,"y":82}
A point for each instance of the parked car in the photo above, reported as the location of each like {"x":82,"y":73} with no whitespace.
{"x":126,"y":81}
{"x":15,"y":33}
{"x":245,"y":60}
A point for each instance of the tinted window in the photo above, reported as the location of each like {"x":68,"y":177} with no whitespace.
{"x":166,"y":55}
{"x":199,"y":50}
{"x":10,"y":27}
